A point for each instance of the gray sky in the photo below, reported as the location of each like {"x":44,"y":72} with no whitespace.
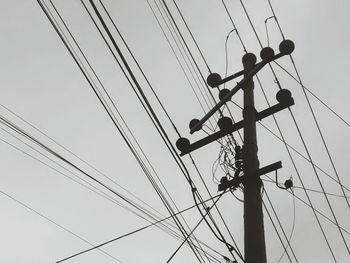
{"x":41,"y":83}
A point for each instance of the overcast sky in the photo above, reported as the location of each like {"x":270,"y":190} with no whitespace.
{"x":43,"y":211}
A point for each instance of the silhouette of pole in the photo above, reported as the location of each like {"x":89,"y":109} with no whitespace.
{"x":254,"y":237}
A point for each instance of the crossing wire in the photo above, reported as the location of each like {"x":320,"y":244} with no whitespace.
{"x":278,"y":234}
{"x":151,"y":112}
{"x":202,"y":56}
{"x":124,"y":42}
{"x":189,"y":51}
{"x":29,"y":208}
{"x":221,"y":239}
{"x":151,"y":215}
{"x":313,"y":95}
{"x":107,"y":95}
{"x":200,"y":221}
{"x":59,"y":33}
{"x":177,"y":57}
{"x":149,"y":84}
{"x":280,"y":225}
{"x":300,"y":135}
{"x":326,"y":239}
{"x":178,"y":35}
{"x":128,"y":234}
{"x":318,"y":129}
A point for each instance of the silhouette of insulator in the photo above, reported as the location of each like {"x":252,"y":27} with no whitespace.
{"x":223,"y":180}
{"x":284,"y":96}
{"x":286,"y":47}
{"x":223,"y":93}
{"x":238,"y":148}
{"x":238,"y":153}
{"x":239,"y":164}
{"x":194,"y":122}
{"x":248,"y":60}
{"x":183,"y":144}
{"x":267,"y":54}
{"x":225,"y":123}
{"x":214,"y":80}
{"x":288,"y":184}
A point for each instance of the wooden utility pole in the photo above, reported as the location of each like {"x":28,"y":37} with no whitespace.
{"x":254,"y":237}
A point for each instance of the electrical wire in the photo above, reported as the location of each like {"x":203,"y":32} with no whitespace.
{"x":313,"y":95}
{"x":147,"y":82}
{"x":200,"y":221}
{"x":129,"y":233}
{"x":288,"y":239}
{"x":46,"y":218}
{"x":151,"y":113}
{"x":316,"y":122}
{"x":181,"y":51}
{"x":301,"y":137}
{"x":278,"y":234}
{"x":201,"y":75}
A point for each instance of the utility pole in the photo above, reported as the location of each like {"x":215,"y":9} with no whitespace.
{"x":254,"y":237}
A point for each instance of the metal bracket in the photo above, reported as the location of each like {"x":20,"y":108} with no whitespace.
{"x":235,"y":182}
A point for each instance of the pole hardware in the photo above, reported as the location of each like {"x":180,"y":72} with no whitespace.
{"x":246,"y":158}
{"x":236,"y":181}
{"x":214,"y":79}
{"x":226,"y":126}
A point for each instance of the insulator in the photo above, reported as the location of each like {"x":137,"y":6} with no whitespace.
{"x":223,"y":180}
{"x":238,"y":148}
{"x":223,"y":93}
{"x":225,"y":123}
{"x":238,"y":156}
{"x":239,"y":164}
{"x":288,"y":183}
{"x":267,"y":54}
{"x":284,"y":96}
{"x":286,"y":47}
{"x":194,"y":122}
{"x":248,"y":60}
{"x":214,"y":80}
{"x":183,"y":144}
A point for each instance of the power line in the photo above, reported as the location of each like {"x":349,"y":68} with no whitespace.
{"x":152,"y":114}
{"x":129,"y":233}
{"x":299,"y":132}
{"x":316,"y":122}
{"x":280,"y":225}
{"x":281,"y":134}
{"x":200,"y":221}
{"x":55,"y":223}
{"x":314,"y":95}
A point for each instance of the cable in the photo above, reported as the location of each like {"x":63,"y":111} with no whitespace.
{"x":152,"y":115}
{"x":279,"y":236}
{"x":280,"y":225}
{"x":318,"y":128}
{"x":308,"y":189}
{"x":197,"y":68}
{"x":300,"y":135}
{"x":129,"y":233}
{"x":314,"y":95}
{"x":187,"y":48}
{"x":315,"y":120}
{"x":200,"y":221}
{"x":55,"y":223}
{"x":78,"y":64}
